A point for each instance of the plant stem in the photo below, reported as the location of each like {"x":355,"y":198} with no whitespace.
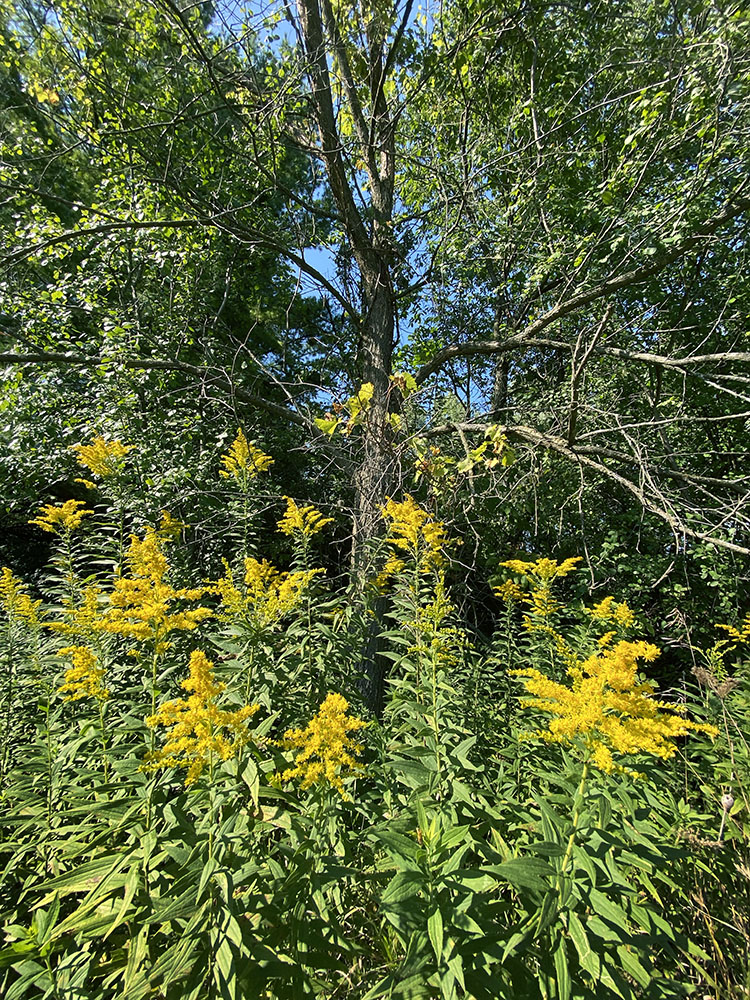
{"x":103,"y":738}
{"x":576,"y":818}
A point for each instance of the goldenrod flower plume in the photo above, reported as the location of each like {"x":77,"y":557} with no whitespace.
{"x":141,"y":605}
{"x":244,"y":461}
{"x":326,"y":751}
{"x":306,"y":521}
{"x":610,"y":610}
{"x":16,"y":601}
{"x":198,"y":732}
{"x":509,"y":591}
{"x":84,"y":678}
{"x":267,"y":594}
{"x":416,"y":531}
{"x":103,"y":458}
{"x":67,"y":516}
{"x":607,"y":707}
{"x":542,"y":570}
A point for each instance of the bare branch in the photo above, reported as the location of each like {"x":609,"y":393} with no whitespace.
{"x":557,"y":444}
{"x":583,"y":298}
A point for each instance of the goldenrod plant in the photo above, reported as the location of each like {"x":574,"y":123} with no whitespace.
{"x":196,"y":802}
{"x":241,"y":467}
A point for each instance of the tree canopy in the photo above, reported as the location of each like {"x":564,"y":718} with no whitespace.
{"x":523,"y":226}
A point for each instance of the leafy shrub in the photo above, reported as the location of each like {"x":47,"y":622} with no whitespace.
{"x":197,"y":804}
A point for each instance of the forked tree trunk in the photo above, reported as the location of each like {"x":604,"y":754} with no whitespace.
{"x":369,"y":235}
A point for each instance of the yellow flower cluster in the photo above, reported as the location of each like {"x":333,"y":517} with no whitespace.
{"x":435,"y":639}
{"x":541,"y":605}
{"x":244,"y":461}
{"x":306,"y":521}
{"x":610,"y":610}
{"x":326,"y":751}
{"x":415,"y":531}
{"x":267,"y":595}
{"x":741,"y":634}
{"x":542,"y":570}
{"x":198,"y":732}
{"x":16,"y":601}
{"x":84,"y":678}
{"x":541,"y":573}
{"x":103,"y":458}
{"x":607,"y":707}
{"x":170,"y":527}
{"x":141,"y":604}
{"x":84,"y":620}
{"x":67,"y":516}
{"x":393,"y":565}
{"x":509,"y":591}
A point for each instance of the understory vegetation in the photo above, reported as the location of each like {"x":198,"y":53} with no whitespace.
{"x":197,"y":803}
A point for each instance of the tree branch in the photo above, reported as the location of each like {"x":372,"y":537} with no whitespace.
{"x":146,"y":364}
{"x":575,"y":302}
{"x":557,"y":444}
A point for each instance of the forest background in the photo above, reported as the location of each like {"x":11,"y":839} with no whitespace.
{"x":227,"y":217}
{"x":490,"y":255}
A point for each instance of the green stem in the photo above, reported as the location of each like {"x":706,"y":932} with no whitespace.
{"x":103,"y":737}
{"x":8,"y":703}
{"x":50,"y":776}
{"x":67,"y":565}
{"x":212,"y":805}
{"x":152,"y":736}
{"x":435,"y":723}
{"x":250,"y":668}
{"x":417,"y":628}
{"x":576,"y":819}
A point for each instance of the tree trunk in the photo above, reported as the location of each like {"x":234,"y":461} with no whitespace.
{"x":374,"y":478}
{"x":368,"y":232}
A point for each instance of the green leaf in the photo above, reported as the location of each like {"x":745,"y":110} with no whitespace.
{"x":435,"y":932}
{"x":561,"y":971}
{"x":404,"y":885}
{"x":327,"y":425}
{"x":610,"y":911}
{"x":525,"y":873}
{"x":633,"y":967}
{"x":588,"y":958}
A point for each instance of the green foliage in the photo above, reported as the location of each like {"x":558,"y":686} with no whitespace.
{"x":461,"y":859}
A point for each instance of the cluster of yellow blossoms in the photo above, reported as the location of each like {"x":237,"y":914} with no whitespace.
{"x":610,"y":610}
{"x":326,"y":750}
{"x":543,"y":570}
{"x":267,"y":594}
{"x":244,"y":461}
{"x":607,"y":707}
{"x":540,"y":573}
{"x":543,"y":605}
{"x":741,"y":634}
{"x":305,"y":521}
{"x":16,"y":601}
{"x":141,"y":604}
{"x":67,"y":516}
{"x":84,"y":678}
{"x":198,"y":732}
{"x":415,"y":532}
{"x":509,"y":591}
{"x":103,"y":458}
{"x":83,"y":620}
